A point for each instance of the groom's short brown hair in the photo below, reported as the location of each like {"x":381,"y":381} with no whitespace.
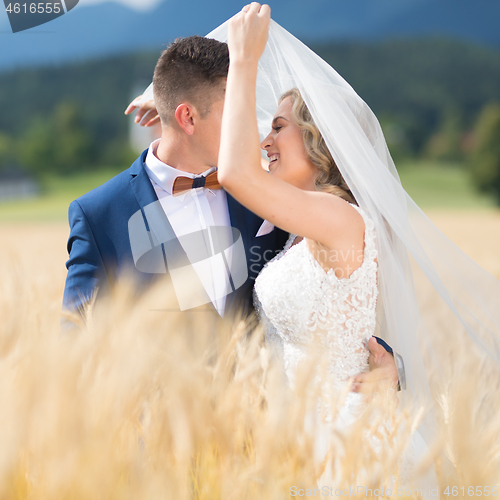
{"x":191,"y":69}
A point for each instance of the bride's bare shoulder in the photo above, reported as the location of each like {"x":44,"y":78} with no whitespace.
{"x":343,"y":237}
{"x":340,"y":212}
{"x":341,"y":222}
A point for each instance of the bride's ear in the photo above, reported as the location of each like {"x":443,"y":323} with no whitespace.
{"x":184,"y":116}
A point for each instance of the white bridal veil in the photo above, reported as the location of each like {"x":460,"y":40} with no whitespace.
{"x":430,"y":293}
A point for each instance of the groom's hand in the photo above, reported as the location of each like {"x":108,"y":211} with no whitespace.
{"x":147,"y":115}
{"x":383,"y":371}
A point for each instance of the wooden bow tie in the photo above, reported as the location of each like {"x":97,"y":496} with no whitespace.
{"x":182,"y":184}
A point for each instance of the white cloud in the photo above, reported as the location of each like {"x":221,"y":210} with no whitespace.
{"x":140,"y":5}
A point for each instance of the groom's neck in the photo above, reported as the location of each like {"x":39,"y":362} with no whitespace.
{"x":176,"y":151}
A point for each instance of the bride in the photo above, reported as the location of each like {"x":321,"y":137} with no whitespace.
{"x":326,"y":278}
{"x":322,"y":288}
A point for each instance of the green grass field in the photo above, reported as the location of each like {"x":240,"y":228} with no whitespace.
{"x":431,"y":185}
{"x":442,"y":185}
{"x":57,"y":193}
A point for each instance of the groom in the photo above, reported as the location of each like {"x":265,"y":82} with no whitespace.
{"x":166,"y":217}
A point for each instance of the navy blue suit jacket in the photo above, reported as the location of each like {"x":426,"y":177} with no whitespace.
{"x":99,"y":247}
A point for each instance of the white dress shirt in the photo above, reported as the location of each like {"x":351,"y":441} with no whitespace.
{"x":191,"y":212}
{"x":265,"y":228}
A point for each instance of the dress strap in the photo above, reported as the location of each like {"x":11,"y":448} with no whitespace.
{"x":370,"y":251}
{"x":289,"y":242}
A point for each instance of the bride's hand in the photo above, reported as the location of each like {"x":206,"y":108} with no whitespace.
{"x":147,"y":115}
{"x":248,"y":32}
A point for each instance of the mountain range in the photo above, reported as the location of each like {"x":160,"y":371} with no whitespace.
{"x":97,"y":30}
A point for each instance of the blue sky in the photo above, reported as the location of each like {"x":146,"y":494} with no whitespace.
{"x":97,"y":28}
{"x":140,"y":5}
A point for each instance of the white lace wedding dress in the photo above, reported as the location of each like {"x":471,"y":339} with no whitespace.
{"x":299,"y":304}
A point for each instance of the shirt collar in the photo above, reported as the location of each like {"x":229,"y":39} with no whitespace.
{"x":164,"y":175}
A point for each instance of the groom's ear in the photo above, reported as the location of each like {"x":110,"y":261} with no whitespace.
{"x":184,"y":115}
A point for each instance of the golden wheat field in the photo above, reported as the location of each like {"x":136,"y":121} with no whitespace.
{"x":139,"y":406}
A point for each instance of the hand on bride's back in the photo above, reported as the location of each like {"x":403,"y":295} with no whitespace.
{"x":383,"y":371}
{"x":248,"y":31}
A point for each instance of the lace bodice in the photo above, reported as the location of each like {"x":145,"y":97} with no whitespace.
{"x":298,"y":302}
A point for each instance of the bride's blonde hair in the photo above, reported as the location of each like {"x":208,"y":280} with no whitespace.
{"x":329,"y":178}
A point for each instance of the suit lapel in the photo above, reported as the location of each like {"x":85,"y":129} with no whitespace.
{"x":156,"y":220}
{"x":247,"y":223}
{"x":140,"y":183}
{"x":242,"y":219}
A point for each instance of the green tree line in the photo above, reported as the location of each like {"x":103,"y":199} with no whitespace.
{"x":434,"y":97}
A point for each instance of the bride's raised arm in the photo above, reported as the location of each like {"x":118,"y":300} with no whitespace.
{"x":288,"y":199}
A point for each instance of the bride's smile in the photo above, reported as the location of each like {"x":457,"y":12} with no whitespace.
{"x":288,"y":158}
{"x":272,"y":158}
